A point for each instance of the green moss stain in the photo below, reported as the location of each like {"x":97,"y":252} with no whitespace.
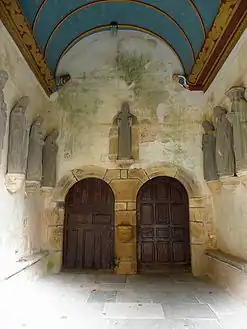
{"x":49,"y":266}
{"x":131,"y":68}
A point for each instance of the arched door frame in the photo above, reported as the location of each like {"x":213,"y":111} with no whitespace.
{"x":87,"y":225}
{"x":163,"y":236}
{"x":199,"y":207}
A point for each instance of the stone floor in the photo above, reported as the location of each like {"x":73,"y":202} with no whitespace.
{"x":107,"y":301}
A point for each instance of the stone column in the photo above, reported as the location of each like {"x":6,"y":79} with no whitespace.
{"x":125,"y":190}
{"x":18,"y":146}
{"x":202,"y":233}
{"x":3,"y":108}
{"x":238,"y":117}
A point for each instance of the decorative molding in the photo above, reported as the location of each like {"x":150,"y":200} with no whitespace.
{"x":13,"y":19}
{"x":14,"y":182}
{"x":228,"y":26}
{"x":32,"y":187}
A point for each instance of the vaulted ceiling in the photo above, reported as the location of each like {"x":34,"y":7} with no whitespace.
{"x":200,"y":32}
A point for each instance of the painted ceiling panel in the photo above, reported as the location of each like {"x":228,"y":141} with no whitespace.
{"x":207,"y":10}
{"x":30,"y":8}
{"x":138,"y":15}
{"x":187,"y":17}
{"x":181,"y":23}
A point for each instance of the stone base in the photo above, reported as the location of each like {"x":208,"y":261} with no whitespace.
{"x":125,"y":163}
{"x":214,"y":186}
{"x":32,"y":186}
{"x":14,"y":182}
{"x":230,"y":183}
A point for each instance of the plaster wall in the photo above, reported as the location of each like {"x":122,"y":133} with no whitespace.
{"x":131,"y":67}
{"x":20,"y":217}
{"x":230,"y":200}
{"x":105,"y":72}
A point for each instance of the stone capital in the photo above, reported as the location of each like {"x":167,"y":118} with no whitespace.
{"x":14,"y":182}
{"x":32,"y":186}
{"x":235,"y":93}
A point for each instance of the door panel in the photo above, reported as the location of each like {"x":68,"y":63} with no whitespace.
{"x":89,"y":226}
{"x":147,"y":214}
{"x":163,"y":223}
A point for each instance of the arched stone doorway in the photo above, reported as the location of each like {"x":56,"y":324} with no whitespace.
{"x":89,"y":226}
{"x":162,"y":224}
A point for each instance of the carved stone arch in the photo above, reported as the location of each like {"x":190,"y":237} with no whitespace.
{"x":75,"y":175}
{"x":182,"y":175}
{"x":202,"y":231}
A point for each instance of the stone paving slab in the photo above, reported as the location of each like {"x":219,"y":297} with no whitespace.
{"x":102,"y":297}
{"x":133,"y":311}
{"x":106,"y":301}
{"x":188,"y":311}
{"x":164,"y":324}
{"x":110,"y":278}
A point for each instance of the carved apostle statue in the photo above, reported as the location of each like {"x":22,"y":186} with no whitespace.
{"x":3,"y":108}
{"x":36,"y":143}
{"x":49,"y":170}
{"x":238,"y":118}
{"x":124,"y":123}
{"x":18,"y":138}
{"x":208,"y":148}
{"x":225,"y":157}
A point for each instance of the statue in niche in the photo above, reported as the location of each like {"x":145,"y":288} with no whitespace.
{"x":18,"y":138}
{"x":124,"y":123}
{"x":3,"y":108}
{"x":208,"y":148}
{"x":36,"y":143}
{"x":238,"y":118}
{"x":49,"y":167}
{"x":225,"y":157}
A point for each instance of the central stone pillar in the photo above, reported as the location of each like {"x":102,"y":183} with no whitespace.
{"x":125,"y":189}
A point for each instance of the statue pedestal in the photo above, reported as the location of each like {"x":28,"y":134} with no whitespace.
{"x":47,"y":189}
{"x":14,"y":182}
{"x":214,"y":186}
{"x":125,"y":163}
{"x":230,"y":183}
{"x":32,"y":186}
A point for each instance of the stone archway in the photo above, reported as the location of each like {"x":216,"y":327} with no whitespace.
{"x":125,"y":184}
{"x":88,"y":240}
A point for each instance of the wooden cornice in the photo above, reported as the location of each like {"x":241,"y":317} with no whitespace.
{"x":12,"y":17}
{"x":227,"y":28}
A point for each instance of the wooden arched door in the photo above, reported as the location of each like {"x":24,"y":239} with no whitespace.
{"x":89,"y":226}
{"x":162,"y":224}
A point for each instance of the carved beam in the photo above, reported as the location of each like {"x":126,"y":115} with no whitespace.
{"x":12,"y":17}
{"x":227,"y":28}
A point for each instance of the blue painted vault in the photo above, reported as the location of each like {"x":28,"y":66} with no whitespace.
{"x":59,"y":24}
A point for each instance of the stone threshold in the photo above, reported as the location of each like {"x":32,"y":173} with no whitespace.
{"x":233,"y":261}
{"x":20,"y":265}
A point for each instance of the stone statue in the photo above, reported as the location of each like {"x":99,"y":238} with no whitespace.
{"x":18,"y":138}
{"x":124,"y":123}
{"x":225,"y":157}
{"x":238,"y":118}
{"x":36,"y":143}
{"x":208,"y":148}
{"x":3,"y":108}
{"x":49,"y":170}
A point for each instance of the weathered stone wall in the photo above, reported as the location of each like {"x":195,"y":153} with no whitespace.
{"x":125,"y":184}
{"x":20,"y":223}
{"x":136,"y":68}
{"x":105,"y":72}
{"x":230,"y":200}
